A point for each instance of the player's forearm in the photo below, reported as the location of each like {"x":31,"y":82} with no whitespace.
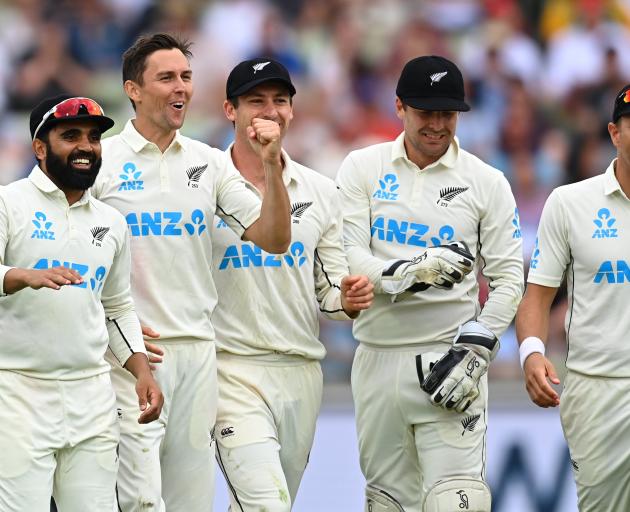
{"x":532,"y":317}
{"x":138,"y":365}
{"x":272,"y":231}
{"x":14,"y":279}
{"x":362,"y":261}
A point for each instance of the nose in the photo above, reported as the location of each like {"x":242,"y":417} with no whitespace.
{"x":270,"y":111}
{"x":436,"y":121}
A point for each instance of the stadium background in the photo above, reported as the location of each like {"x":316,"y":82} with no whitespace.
{"x":541,"y":78}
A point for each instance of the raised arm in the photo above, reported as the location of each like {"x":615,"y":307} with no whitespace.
{"x":272,"y":231}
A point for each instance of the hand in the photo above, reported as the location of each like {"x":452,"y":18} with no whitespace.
{"x":17,"y":279}
{"x":357,"y":294}
{"x":265,"y":137}
{"x":453,"y":382}
{"x":539,"y":371}
{"x":440,"y":266}
{"x":150,"y":398}
{"x":154,"y":352}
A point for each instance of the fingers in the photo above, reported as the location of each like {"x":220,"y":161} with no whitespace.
{"x":538,"y":372}
{"x":265,"y":130}
{"x":149,"y":333}
{"x":54,"y":278}
{"x":151,"y":400}
{"x":154,"y":354}
{"x":357,"y":292}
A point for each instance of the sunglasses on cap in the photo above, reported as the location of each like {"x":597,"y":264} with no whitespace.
{"x":72,"y":107}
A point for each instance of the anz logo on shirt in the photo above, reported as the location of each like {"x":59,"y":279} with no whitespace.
{"x":165,"y":223}
{"x":409,"y":233}
{"x":130,"y":177}
{"x":387,"y":188}
{"x":92,"y":281}
{"x":604,"y":223}
{"x":533,"y":262}
{"x":42,"y":227}
{"x":613,"y":272}
{"x":249,"y":255}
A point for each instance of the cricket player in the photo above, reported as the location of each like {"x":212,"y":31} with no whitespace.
{"x":64,"y":296}
{"x":421,"y":217}
{"x":266,"y":319}
{"x":584,"y":234}
{"x":169,"y":188}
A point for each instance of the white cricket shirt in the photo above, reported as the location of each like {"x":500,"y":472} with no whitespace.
{"x":63,"y":334}
{"x":394,"y":210}
{"x":584,"y":233}
{"x":269,"y":302}
{"x":169,"y":200}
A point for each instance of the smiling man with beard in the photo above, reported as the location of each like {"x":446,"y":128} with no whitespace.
{"x":64,"y":297}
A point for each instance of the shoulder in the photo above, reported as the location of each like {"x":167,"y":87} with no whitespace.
{"x":476,"y":166}
{"x":196,"y":147}
{"x":369,"y":153}
{"x":14,"y":192}
{"x":108,"y":213}
{"x":312,"y":178}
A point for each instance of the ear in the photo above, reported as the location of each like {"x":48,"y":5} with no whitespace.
{"x":230,"y":110}
{"x":40,"y":149}
{"x":613,"y":131}
{"x":400,"y":109}
{"x":132,"y":90}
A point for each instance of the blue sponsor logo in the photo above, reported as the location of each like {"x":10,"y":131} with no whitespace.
{"x":533,"y":262}
{"x":221,"y":224}
{"x":410,"y":233}
{"x":616,"y":272}
{"x":42,"y":225}
{"x":516,"y":222}
{"x":387,"y":188}
{"x":249,"y":255}
{"x":130,"y":178}
{"x":95,"y":280}
{"x":604,"y":223}
{"x":165,"y":223}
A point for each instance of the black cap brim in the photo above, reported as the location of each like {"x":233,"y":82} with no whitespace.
{"x":437,"y":104}
{"x":250,"y":85}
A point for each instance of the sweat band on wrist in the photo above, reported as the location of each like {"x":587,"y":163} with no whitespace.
{"x":530,"y":345}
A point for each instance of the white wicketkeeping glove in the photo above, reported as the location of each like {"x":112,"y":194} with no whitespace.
{"x":453,"y":382}
{"x":440,"y":266}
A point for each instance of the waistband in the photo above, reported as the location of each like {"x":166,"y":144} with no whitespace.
{"x":266,"y":359}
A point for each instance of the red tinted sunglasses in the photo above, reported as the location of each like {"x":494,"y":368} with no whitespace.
{"x":71,"y":108}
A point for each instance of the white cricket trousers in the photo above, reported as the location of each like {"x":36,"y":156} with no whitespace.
{"x":407,"y":444}
{"x":595,"y":414}
{"x":268,"y":407}
{"x":168,"y":465}
{"x":58,"y":438}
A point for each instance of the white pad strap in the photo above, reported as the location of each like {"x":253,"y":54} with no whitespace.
{"x":377,"y":500}
{"x":530,"y":345}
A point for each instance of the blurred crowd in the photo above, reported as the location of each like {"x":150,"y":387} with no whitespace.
{"x":541,"y":78}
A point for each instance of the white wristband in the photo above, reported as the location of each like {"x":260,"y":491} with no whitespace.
{"x":529,"y":346}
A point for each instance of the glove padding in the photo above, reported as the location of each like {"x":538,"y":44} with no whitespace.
{"x":441,"y":266}
{"x":453,"y":381}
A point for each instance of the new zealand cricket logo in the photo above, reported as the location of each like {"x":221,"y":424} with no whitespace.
{"x":98,"y":234}
{"x":298,"y":209}
{"x":194,"y":173}
{"x":469,"y":423}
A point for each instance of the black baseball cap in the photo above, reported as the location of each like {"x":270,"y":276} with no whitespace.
{"x":64,"y":107}
{"x":250,"y":73}
{"x":431,"y":82}
{"x":622,"y":103}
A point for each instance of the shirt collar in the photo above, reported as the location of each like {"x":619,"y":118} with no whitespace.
{"x":448,"y":159}
{"x":610,"y":180}
{"x":288,"y":170}
{"x":45,"y":184}
{"x":137,"y":142}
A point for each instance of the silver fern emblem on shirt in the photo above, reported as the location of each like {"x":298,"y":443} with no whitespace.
{"x":469,"y":423}
{"x":194,"y":173}
{"x":98,"y":234}
{"x":449,"y":193}
{"x":260,"y":66}
{"x":298,"y":209}
{"x":436,"y":77}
